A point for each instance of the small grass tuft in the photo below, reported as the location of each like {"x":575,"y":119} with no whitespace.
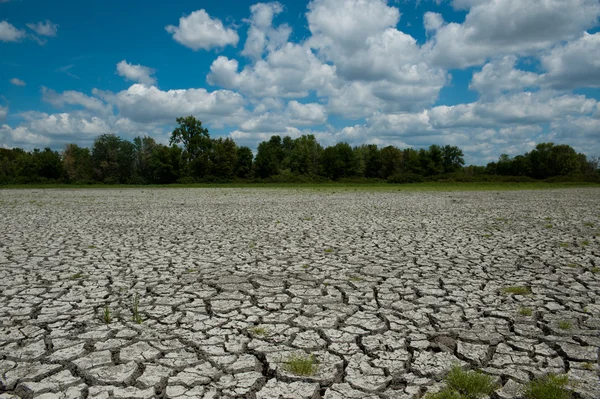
{"x":548,"y":226}
{"x":77,"y":275}
{"x":461,"y":384}
{"x":588,"y":224}
{"x":135,"y":309}
{"x":548,"y":387}
{"x":329,"y":250}
{"x":564,"y":244}
{"x":305,"y":266}
{"x":107,"y":315}
{"x":585,"y":243}
{"x":588,"y":366}
{"x":565,"y":325}
{"x":572,"y":265}
{"x":301,"y":364}
{"x":525,"y":311}
{"x":91,"y":247}
{"x":487,"y":235}
{"x":471,"y":384}
{"x":517,"y":290}
{"x":252,"y":245}
{"x":356,"y":279}
{"x":595,"y":269}
{"x":259,"y":331}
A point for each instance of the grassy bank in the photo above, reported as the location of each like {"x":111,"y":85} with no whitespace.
{"x":429,"y":186}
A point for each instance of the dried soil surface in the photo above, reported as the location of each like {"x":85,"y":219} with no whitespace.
{"x":386,"y":289}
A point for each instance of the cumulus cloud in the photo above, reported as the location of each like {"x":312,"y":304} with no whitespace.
{"x":137,"y":73}
{"x":574,"y":64}
{"x":262,"y":36}
{"x":70,"y":97}
{"x":8,"y":33}
{"x":500,"y":27}
{"x":501,"y":76}
{"x":291,"y":71}
{"x":17,"y":82}
{"x":347,"y":24}
{"x":149,"y":104}
{"x":45,"y":28}
{"x":199,"y":31}
{"x":295,"y":115}
{"x":22,"y":137}
{"x":384,"y":66}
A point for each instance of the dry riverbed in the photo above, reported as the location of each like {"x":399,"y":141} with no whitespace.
{"x":213,"y":293}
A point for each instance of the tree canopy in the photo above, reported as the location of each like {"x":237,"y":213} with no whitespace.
{"x":193,"y":156}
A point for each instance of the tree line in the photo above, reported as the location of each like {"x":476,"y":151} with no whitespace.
{"x":193,"y":156}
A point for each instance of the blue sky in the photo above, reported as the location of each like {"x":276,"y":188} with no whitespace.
{"x":491,"y":76}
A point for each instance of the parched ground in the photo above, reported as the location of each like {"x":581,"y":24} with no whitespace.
{"x":386,"y":289}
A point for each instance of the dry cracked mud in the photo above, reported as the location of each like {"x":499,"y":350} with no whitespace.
{"x":386,"y":290}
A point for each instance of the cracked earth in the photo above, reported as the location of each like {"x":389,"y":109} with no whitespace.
{"x":387,"y":290}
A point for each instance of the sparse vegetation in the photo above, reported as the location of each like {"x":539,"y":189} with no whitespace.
{"x":461,"y":384}
{"x":595,"y":269}
{"x":91,"y":247}
{"x":565,"y":325}
{"x":588,"y":224}
{"x":548,"y":387}
{"x":77,"y":276}
{"x":305,"y":266}
{"x":525,"y":311}
{"x":588,"y":366}
{"x":356,"y":279}
{"x":585,"y":243}
{"x":548,"y":226}
{"x":487,"y":235}
{"x":301,"y":364}
{"x":252,"y":245}
{"x":572,"y":265}
{"x":259,"y":331}
{"x":517,"y":290}
{"x":564,"y":244}
{"x":329,"y":250}
{"x":135,"y":309}
{"x":107,"y":315}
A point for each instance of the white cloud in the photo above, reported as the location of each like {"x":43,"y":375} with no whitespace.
{"x":46,"y":28}
{"x":137,"y":73}
{"x":3,"y":113}
{"x":22,"y":137}
{"x":432,"y":21}
{"x":291,"y":71}
{"x":348,"y":23}
{"x":8,"y":33}
{"x":149,"y":104}
{"x":17,"y":82}
{"x":501,"y":76}
{"x":384,"y":66}
{"x":574,"y":64}
{"x":295,"y":115}
{"x":199,"y":31}
{"x":70,"y":97}
{"x":500,"y":27}
{"x":66,"y":124}
{"x":262,"y":35}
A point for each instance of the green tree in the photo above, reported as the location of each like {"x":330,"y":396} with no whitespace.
{"x":77,"y":163}
{"x":269,"y":157}
{"x":391,"y":161}
{"x":224,"y":158}
{"x":452,"y":159}
{"x":191,"y":135}
{"x":244,"y":163}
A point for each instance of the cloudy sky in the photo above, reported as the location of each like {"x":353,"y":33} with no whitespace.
{"x":490,"y":76}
